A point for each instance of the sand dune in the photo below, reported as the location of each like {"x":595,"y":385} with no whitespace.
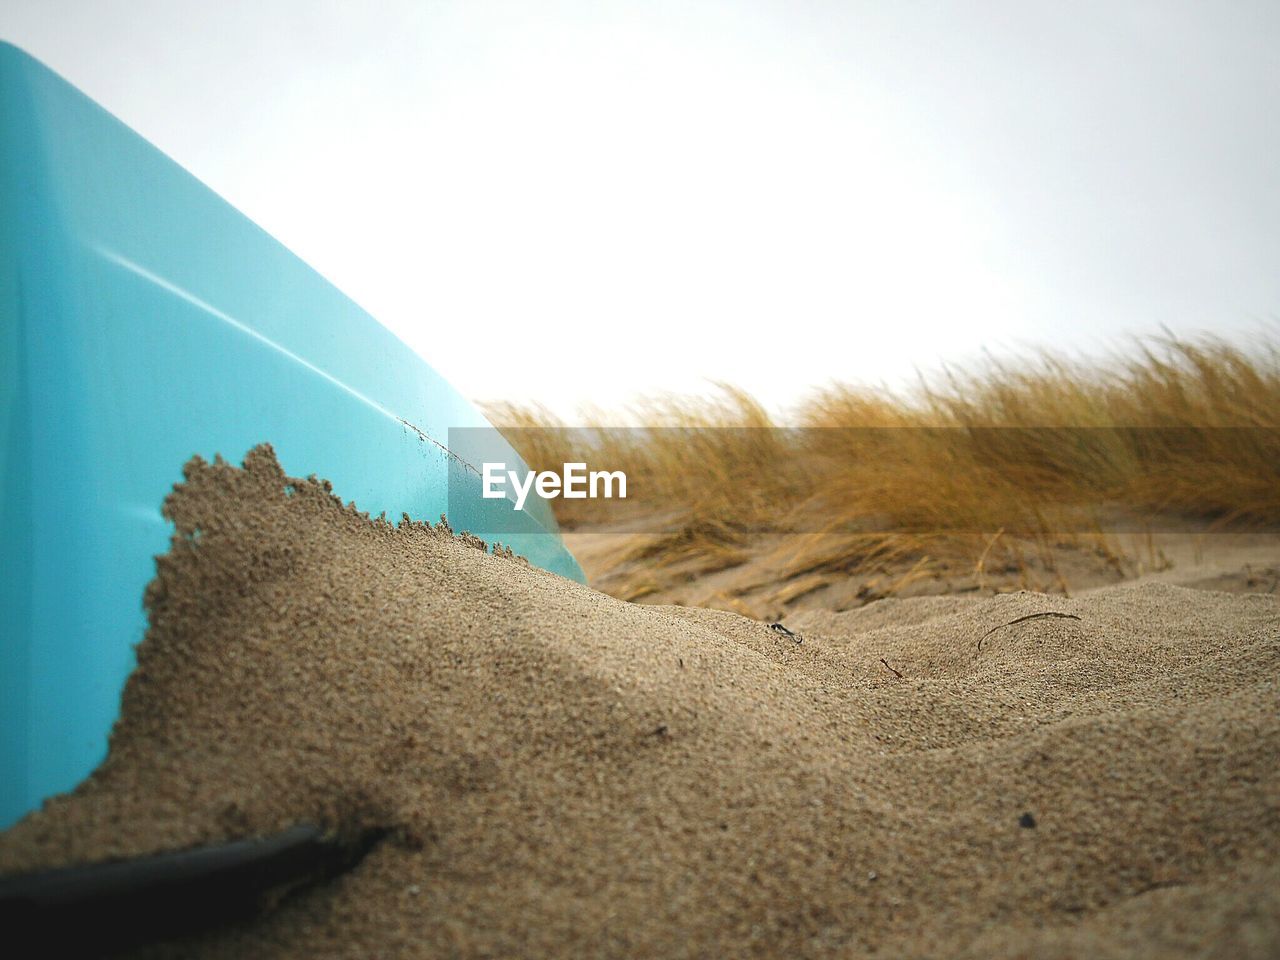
{"x":566,"y":774}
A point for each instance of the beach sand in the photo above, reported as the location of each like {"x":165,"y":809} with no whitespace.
{"x":568,"y":775}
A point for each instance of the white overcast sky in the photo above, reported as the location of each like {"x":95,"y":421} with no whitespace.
{"x":584,"y":200}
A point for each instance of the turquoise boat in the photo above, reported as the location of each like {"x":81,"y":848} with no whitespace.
{"x":144,"y":320}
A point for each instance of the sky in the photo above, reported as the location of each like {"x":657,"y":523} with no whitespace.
{"x":581,"y":201}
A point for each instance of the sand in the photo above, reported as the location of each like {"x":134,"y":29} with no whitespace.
{"x":569,"y":775}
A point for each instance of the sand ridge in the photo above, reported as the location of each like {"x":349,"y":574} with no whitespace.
{"x":565,"y":774}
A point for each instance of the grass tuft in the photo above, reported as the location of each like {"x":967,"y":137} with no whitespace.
{"x":953,"y":494}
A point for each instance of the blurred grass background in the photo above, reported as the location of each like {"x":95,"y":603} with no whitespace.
{"x":895,"y":507}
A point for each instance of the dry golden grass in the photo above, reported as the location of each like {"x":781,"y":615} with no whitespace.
{"x":895,"y":506}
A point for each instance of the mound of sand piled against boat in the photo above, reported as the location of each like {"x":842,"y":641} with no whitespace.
{"x":565,"y":774}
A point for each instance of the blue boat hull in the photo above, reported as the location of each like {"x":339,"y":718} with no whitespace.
{"x":144,"y":320}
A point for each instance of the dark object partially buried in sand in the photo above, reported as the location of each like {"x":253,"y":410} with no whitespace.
{"x":100,"y":908}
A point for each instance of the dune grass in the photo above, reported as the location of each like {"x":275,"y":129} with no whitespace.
{"x":977,"y":470}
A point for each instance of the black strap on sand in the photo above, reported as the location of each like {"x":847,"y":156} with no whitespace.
{"x":101,"y":908}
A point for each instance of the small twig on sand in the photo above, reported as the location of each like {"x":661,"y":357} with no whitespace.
{"x":890,"y":669}
{"x":1029,"y":616}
